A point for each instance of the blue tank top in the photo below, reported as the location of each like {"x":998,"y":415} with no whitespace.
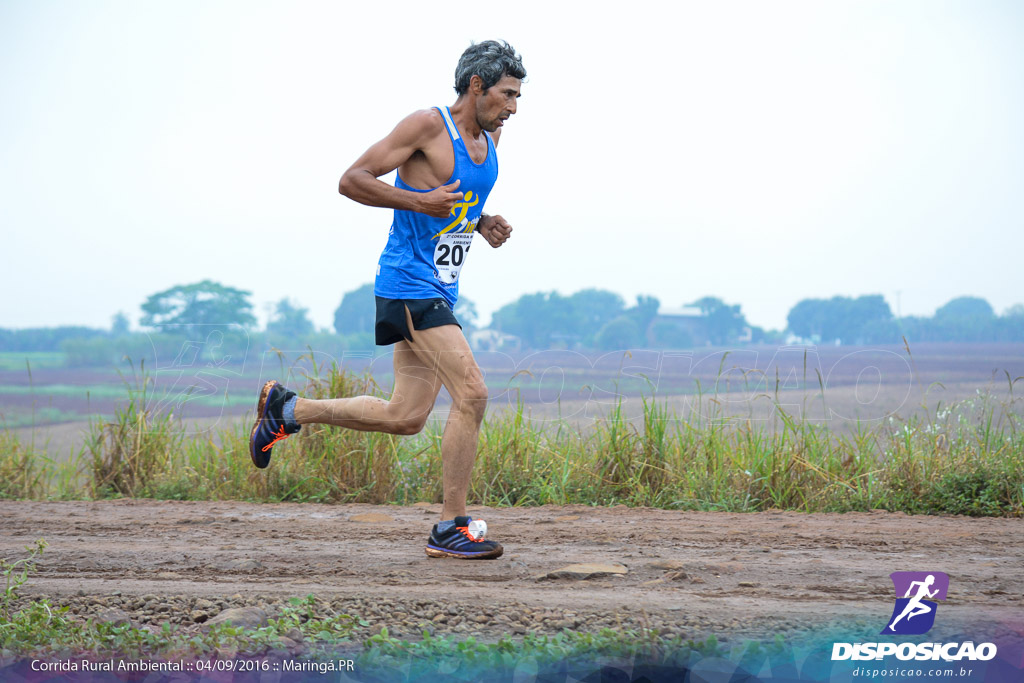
{"x":424,"y":254}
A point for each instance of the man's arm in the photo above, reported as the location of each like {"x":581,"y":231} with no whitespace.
{"x":360,"y":182}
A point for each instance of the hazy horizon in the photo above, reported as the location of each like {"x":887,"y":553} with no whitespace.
{"x":262,"y":316}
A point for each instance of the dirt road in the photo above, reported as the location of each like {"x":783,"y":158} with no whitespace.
{"x":691,"y":574}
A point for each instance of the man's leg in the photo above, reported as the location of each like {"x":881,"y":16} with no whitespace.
{"x":446,"y":349}
{"x":456,"y":535}
{"x":416,"y":387}
{"x":436,"y":356}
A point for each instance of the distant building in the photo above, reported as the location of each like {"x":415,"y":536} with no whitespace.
{"x":493,"y":340}
{"x":686,"y":327}
{"x":678,"y":327}
{"x":796,"y":340}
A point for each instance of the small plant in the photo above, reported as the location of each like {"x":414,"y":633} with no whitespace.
{"x":301,"y":615}
{"x":15,"y":574}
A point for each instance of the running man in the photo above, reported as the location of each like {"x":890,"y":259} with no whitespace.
{"x":447,"y":165}
{"x":915,"y":607}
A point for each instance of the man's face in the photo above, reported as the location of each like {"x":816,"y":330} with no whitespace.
{"x":497,"y":103}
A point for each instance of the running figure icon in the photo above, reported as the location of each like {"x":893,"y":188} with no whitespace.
{"x":915,"y":607}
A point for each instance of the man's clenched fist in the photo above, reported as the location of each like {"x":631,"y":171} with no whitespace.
{"x":495,"y":230}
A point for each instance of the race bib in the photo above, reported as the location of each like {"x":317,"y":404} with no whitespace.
{"x":450,"y":254}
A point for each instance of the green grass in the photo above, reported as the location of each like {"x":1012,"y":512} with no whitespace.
{"x":26,"y":472}
{"x":964,"y":458}
{"x":17,"y":360}
{"x":41,"y":629}
{"x":72,"y":390}
{"x":27,"y":417}
{"x":116,"y":391}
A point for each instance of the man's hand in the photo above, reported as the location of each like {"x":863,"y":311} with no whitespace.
{"x":438,"y":203}
{"x":495,"y":230}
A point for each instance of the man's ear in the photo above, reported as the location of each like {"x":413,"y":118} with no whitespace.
{"x":476,"y":84}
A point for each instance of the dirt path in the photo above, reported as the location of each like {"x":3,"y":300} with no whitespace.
{"x":692,"y":574}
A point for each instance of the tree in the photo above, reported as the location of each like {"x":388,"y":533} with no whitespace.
{"x":290,"y":320}
{"x":644,"y":312}
{"x":620,"y":333}
{"x":965,"y":319}
{"x":357,"y":312}
{"x":853,"y":320}
{"x":545,"y":319}
{"x":807,"y":317}
{"x":201,"y":303}
{"x":1010,"y":327}
{"x":589,"y":310}
{"x":45,"y":338}
{"x":465,"y":313}
{"x":965,"y":307}
{"x":119,"y":325}
{"x":534,"y":318}
{"x":668,"y":335}
{"x":724,"y":322}
{"x":865,"y":317}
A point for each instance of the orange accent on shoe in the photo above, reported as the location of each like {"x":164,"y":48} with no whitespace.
{"x":464,"y":530}
{"x":278,"y":436}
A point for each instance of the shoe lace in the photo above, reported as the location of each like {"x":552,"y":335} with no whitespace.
{"x":278,"y":436}
{"x":464,"y":530}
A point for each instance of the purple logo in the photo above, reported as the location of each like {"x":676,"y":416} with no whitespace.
{"x":916,"y":595}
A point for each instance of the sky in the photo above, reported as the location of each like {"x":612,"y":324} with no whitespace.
{"x":761,"y":152}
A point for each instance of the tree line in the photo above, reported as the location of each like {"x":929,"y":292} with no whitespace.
{"x":869,"y":320}
{"x":588,"y":319}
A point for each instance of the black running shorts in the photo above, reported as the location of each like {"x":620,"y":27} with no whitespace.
{"x":426,"y":313}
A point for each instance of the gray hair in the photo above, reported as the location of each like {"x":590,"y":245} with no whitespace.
{"x":491,"y":60}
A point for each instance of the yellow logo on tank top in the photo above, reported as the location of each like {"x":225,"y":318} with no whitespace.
{"x":461,"y":222}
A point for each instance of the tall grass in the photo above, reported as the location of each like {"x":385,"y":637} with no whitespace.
{"x":965,"y":458}
{"x":136,"y":447}
{"x":23,"y":470}
{"x":26,"y":471}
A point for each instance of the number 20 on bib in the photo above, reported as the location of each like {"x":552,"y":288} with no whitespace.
{"x":450,"y":254}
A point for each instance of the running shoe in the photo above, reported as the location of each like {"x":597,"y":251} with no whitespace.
{"x":460,"y":543}
{"x":270,"y":426}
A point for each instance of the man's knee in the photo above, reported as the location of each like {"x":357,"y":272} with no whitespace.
{"x":405,"y":417}
{"x":407,"y":426}
{"x":472,"y":400}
